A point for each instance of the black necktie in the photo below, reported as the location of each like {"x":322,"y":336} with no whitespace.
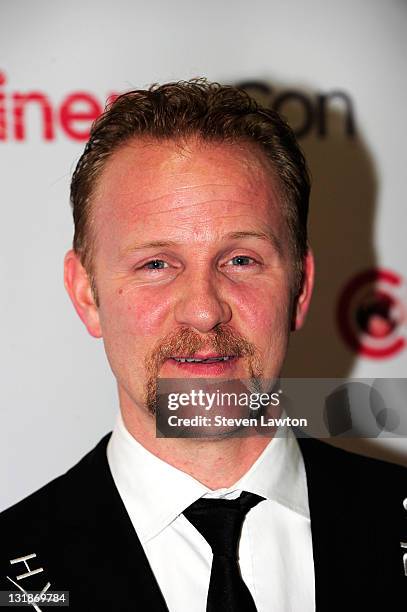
{"x":220,"y":522}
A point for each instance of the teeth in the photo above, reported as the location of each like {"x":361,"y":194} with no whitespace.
{"x":208,"y":360}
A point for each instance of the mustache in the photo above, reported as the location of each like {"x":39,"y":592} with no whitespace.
{"x":185,"y":342}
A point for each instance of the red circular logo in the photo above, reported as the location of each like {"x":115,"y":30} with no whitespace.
{"x":371,"y":312}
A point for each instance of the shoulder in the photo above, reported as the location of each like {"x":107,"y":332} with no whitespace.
{"x":362,"y":481}
{"x":320,"y":455}
{"x":39,"y":513}
{"x":41,"y":535}
{"x":358,"y":521}
{"x":58,"y":537}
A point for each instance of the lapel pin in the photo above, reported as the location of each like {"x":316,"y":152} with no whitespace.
{"x":404,"y":544}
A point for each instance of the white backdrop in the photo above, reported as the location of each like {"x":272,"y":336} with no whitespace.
{"x":57,"y":394}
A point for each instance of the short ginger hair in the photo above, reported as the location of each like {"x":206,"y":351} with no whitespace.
{"x":178,"y":110}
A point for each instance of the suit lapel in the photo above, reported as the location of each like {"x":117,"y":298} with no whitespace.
{"x":330,"y":539}
{"x":103,"y":553}
{"x":355,"y":531}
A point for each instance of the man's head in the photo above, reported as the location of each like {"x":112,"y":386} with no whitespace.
{"x":190,"y":205}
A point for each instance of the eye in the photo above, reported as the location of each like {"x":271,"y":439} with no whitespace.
{"x":241,"y":260}
{"x":155,"y":264}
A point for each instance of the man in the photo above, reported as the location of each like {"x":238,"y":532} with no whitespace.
{"x":190,"y":207}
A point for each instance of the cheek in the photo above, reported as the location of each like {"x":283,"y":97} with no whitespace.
{"x":263,"y":308}
{"x":264,"y":318}
{"x":131,"y":323}
{"x":136,"y":314}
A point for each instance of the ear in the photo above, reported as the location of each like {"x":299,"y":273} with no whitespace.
{"x":304,"y":297}
{"x":78,"y":286}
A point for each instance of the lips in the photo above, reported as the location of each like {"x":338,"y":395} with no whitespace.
{"x":208,"y":365}
{"x":204,"y":360}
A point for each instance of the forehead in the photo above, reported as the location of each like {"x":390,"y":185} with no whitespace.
{"x":195,"y":183}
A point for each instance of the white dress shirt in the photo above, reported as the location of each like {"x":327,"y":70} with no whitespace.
{"x":275,"y":550}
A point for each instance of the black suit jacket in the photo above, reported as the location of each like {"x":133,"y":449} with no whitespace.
{"x":81,"y":534}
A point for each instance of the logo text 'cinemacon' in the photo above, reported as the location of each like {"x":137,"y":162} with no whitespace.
{"x":34,"y":114}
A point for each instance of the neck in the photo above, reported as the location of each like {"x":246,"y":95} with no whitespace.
{"x":216,"y":463}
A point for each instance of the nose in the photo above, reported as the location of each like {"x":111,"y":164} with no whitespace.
{"x":200,"y":305}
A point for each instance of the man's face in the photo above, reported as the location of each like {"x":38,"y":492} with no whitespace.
{"x":192,"y":259}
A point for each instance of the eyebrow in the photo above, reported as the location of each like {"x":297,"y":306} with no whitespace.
{"x":267,"y":236}
{"x":153,"y":244}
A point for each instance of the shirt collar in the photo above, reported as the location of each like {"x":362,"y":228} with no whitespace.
{"x":155,"y":492}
